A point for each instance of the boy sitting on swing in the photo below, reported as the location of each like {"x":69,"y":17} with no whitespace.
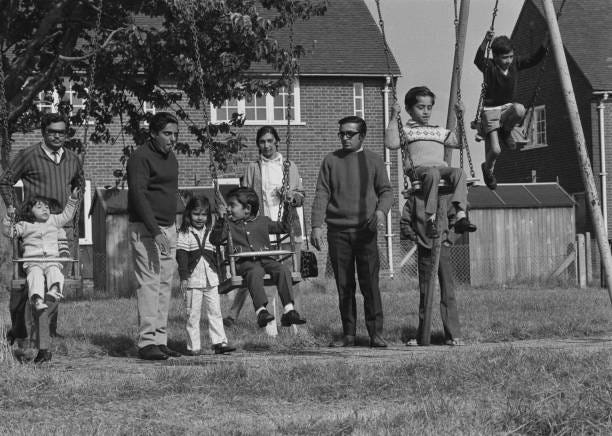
{"x":251,"y":232}
{"x":426,"y":146}
{"x":500,"y":116}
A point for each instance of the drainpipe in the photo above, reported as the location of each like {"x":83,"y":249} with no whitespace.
{"x":602,"y":158}
{"x":389,"y":234}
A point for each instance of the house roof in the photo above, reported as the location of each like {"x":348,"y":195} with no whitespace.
{"x":345,"y":41}
{"x":519,"y":195}
{"x":585,"y":29}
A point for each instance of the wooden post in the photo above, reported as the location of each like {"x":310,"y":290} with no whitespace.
{"x":588,"y":258}
{"x":583,"y":157}
{"x":451,"y":116}
{"x":581,"y":265}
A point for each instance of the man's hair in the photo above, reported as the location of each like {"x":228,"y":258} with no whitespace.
{"x":413,"y":94}
{"x":26,"y":209}
{"x":53,"y":117}
{"x":265,"y":130}
{"x":501,"y":46}
{"x":160,"y":120}
{"x":357,"y":120}
{"x":246,"y":197}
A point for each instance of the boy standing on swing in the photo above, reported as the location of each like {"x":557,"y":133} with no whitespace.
{"x":426,"y":146}
{"x":500,"y":116}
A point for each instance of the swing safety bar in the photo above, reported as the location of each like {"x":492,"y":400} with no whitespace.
{"x":443,"y":186}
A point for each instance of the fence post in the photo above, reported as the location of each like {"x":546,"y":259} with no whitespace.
{"x":581,"y":265}
{"x":589,"y":258}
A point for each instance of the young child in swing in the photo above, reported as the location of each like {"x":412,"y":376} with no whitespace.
{"x":500,"y":115}
{"x":251,"y":232}
{"x":426,"y":145}
{"x":39,"y":231}
{"x":197,"y":266}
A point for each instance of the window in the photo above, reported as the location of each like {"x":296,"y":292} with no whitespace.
{"x":358,"y":100}
{"x":48,"y":101}
{"x":85,"y":230}
{"x":264,"y":109}
{"x":536,"y":131}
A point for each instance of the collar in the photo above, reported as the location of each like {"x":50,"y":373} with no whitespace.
{"x":245,"y":220}
{"x":49,"y":152}
{"x":277,"y":159}
{"x":154,"y":149}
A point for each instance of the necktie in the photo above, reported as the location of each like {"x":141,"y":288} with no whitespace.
{"x":56,"y":157}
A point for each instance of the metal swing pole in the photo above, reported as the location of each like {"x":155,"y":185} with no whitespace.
{"x":583,"y":157}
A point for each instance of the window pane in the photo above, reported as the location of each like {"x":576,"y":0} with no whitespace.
{"x":261,"y":113}
{"x":279,"y":100}
{"x":250,"y":113}
{"x":221,"y":114}
{"x":279,"y":114}
{"x":358,"y":87}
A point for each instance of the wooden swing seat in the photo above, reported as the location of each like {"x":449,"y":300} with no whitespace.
{"x":235,"y":281}
{"x":443,"y":187}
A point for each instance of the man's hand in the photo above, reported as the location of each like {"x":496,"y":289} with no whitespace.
{"x":10,"y":211}
{"x":377,"y":221}
{"x":163,"y":244}
{"x":395,"y":110}
{"x":222,"y":210}
{"x":316,"y":237}
{"x":489,"y":35}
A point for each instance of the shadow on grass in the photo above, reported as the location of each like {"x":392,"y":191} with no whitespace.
{"x":115,"y":346}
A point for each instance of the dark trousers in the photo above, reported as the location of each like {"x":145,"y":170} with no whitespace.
{"x":24,"y":316}
{"x":347,"y":250}
{"x":253,"y":272}
{"x":430,"y":178}
{"x":448,"y":303}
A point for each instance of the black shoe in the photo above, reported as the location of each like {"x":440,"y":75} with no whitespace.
{"x":464,"y":225}
{"x":263,"y":318}
{"x":377,"y":342}
{"x":345,"y":341}
{"x":292,"y":317}
{"x":43,"y":356}
{"x":228,"y":321}
{"x":169,"y":352}
{"x":193,"y":352}
{"x":431,"y":229}
{"x":152,"y":352}
{"x":222,"y":348}
{"x":489,"y":177}
{"x":10,"y":338}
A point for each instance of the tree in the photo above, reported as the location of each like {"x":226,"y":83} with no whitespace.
{"x":118,"y":54}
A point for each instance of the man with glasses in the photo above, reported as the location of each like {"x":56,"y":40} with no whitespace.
{"x":46,"y":169}
{"x":352,"y":196}
{"x":152,"y":176}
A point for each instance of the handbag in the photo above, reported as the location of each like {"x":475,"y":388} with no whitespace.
{"x":309,"y":266}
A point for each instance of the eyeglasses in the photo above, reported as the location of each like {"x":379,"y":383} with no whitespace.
{"x":52,"y":132}
{"x":348,"y":133}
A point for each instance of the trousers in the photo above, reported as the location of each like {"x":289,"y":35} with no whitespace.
{"x":193,"y":301}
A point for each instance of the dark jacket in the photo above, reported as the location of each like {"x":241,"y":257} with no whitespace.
{"x":251,"y":234}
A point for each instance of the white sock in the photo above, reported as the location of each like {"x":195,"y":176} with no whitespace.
{"x":460,"y":214}
{"x":259,"y":310}
{"x":288,"y":307}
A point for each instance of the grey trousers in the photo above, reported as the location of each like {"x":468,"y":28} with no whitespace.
{"x":154,"y":273}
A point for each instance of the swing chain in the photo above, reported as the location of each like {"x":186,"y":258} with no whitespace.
{"x":4,"y":114}
{"x":463,"y":141}
{"x":402,"y":134}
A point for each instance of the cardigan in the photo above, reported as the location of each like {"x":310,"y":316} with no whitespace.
{"x":189,"y":254}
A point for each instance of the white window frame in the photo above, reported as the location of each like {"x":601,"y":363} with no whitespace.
{"x":87,"y":238}
{"x":270,"y":120}
{"x":532,"y":141}
{"x":42,"y":103}
{"x":359,"y":100}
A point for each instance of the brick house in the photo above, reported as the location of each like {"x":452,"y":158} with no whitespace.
{"x":343,"y":73}
{"x":550,"y":154}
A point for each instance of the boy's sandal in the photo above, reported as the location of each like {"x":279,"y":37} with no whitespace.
{"x":412,"y":343}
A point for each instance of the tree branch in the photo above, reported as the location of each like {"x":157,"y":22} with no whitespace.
{"x":32,"y":90}
{"x":90,"y":54}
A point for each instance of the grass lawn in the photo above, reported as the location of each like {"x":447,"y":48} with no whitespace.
{"x":293,"y":384}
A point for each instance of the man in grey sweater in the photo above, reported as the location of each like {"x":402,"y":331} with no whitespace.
{"x":353,"y":195}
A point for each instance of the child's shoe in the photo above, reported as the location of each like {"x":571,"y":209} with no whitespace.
{"x":263,"y":318}
{"x":38,"y":303}
{"x":464,"y":225}
{"x":222,"y":348}
{"x":292,"y":317}
{"x":431,"y":229}
{"x":55,"y":294}
{"x":489,"y":177}
{"x":43,"y":356}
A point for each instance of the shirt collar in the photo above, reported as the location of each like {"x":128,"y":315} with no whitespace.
{"x":49,"y":152}
{"x":277,"y":159}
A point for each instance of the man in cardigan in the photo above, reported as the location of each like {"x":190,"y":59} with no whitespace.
{"x":152,"y":174}
{"x":353,"y":195}
{"x":49,"y":170}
